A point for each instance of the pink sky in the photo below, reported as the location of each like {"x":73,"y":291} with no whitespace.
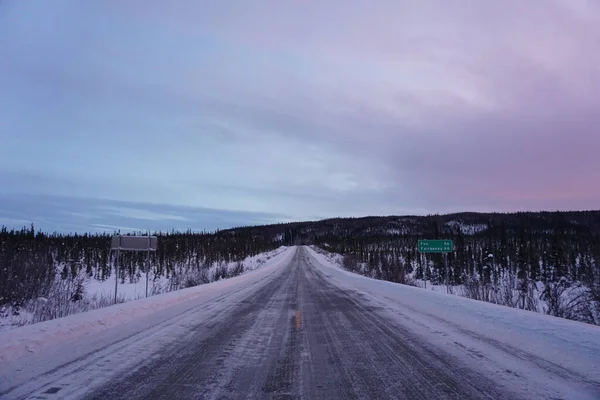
{"x":305,"y":108}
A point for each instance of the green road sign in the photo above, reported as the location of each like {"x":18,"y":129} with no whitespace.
{"x":435,"y":246}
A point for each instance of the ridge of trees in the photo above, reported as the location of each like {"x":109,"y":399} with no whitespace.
{"x":549,"y":247}
{"x":30,"y":260}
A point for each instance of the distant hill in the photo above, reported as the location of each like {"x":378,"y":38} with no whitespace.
{"x":431,"y":226}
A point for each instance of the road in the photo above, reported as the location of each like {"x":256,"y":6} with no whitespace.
{"x":301,"y":337}
{"x":294,"y":336}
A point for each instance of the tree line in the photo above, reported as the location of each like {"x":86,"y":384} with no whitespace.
{"x":492,"y":252}
{"x":512,"y":259}
{"x":31,"y":260}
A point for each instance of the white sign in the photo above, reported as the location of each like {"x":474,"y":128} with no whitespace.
{"x":134,"y":243}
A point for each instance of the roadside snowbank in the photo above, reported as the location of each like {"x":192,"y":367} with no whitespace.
{"x":19,"y":342}
{"x":484,"y":329}
{"x":99,"y":294}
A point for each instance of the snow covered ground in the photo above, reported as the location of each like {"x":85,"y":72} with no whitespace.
{"x":99,"y":294}
{"x":467,"y":229}
{"x":137,"y":290}
{"x":571,"y":296}
{"x":530,"y":355}
{"x":533,"y":352}
{"x":20,"y":342}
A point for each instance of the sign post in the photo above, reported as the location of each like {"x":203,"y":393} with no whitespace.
{"x":133,"y":243}
{"x":436,"y":246}
{"x":148,"y":262}
{"x":117,"y":273}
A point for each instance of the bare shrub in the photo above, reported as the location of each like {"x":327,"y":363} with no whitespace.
{"x":238,"y":269}
{"x":350,"y":262}
{"x":477,"y":290}
{"x":579,"y":306}
{"x":506,"y":293}
{"x":552,"y":295}
{"x":568,"y":300}
{"x":411,"y":281}
{"x":175,"y":281}
{"x":527,"y":298}
{"x":221,"y":272}
{"x":593,"y":287}
{"x":195,"y":278}
{"x":59,"y":302}
{"x":472,"y":287}
{"x":67,"y":297}
{"x":4,"y":311}
{"x":157,"y":287}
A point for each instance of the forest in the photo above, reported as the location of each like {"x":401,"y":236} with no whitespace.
{"x":546,"y":261}
{"x":541,"y":261}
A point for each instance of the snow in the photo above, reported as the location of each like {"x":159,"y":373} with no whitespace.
{"x":467,"y":229}
{"x":19,"y":342}
{"x":127,"y":291}
{"x":396,"y":231}
{"x":135,"y":290}
{"x":101,"y":293}
{"x":535,"y":353}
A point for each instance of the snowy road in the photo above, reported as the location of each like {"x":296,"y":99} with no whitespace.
{"x":307,"y":330}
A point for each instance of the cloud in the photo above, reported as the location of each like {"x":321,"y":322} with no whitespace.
{"x":304,"y":108}
{"x":141,"y":214}
{"x":77,"y":214}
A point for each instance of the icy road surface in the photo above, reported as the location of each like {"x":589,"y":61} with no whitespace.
{"x":303,"y":328}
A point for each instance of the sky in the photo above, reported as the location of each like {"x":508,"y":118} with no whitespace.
{"x":130,"y":114}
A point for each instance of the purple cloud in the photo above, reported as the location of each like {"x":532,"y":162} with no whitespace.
{"x":305,"y":108}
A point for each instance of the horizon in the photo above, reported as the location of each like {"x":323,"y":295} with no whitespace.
{"x":165,"y":230}
{"x":134,"y":116}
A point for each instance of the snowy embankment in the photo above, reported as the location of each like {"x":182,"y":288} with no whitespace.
{"x":565,"y":298}
{"x":526,"y":347}
{"x":98,"y":294}
{"x":161,"y":284}
{"x":19,"y":342}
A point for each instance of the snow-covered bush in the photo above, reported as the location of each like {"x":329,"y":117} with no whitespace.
{"x":568,"y":299}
